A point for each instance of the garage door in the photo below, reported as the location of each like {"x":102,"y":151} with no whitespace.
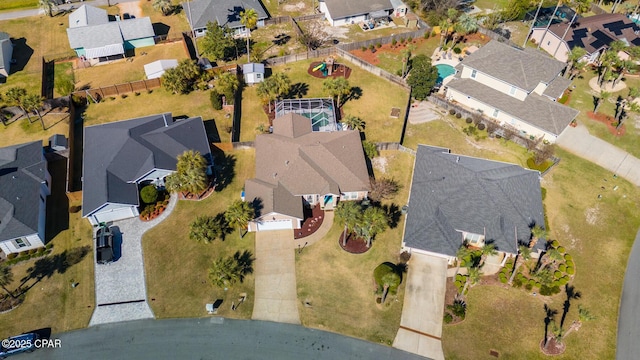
{"x":115,"y":214}
{"x":275,"y":225}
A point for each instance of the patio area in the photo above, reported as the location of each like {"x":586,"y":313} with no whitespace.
{"x":312,"y":220}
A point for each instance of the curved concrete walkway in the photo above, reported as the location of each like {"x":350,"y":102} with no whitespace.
{"x":628,"y":346}
{"x":578,"y":141}
{"x":121,"y":288}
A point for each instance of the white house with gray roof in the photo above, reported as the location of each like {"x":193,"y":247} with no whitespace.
{"x":24,"y":187}
{"x":345,"y":12}
{"x":224,"y":12}
{"x":93,"y":36}
{"x":121,"y":156}
{"x":456,"y":198}
{"x":515,"y":87}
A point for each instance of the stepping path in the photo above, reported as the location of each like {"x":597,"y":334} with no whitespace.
{"x":276,"y":297}
{"x":578,"y":141}
{"x":121,"y":290}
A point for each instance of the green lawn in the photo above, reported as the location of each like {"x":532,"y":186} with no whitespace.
{"x":339,"y":285}
{"x":372,"y":107}
{"x":177,"y":282}
{"x":12,"y":5}
{"x":172,"y":25}
{"x":63,"y":74}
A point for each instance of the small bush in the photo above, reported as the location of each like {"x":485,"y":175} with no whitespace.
{"x":124,"y":96}
{"x":528,"y":287}
{"x":561,"y":249}
{"x":470,"y":130}
{"x":136,"y":93}
{"x":459,"y":277}
{"x":452,"y":112}
{"x":405,"y":256}
{"x":149,"y":194}
{"x":570,"y":263}
{"x":549,"y":290}
{"x":571,"y":271}
{"x":216,"y":100}
{"x":33,"y":251}
{"x":531,"y":282}
{"x":556,"y":283}
{"x":394,"y":42}
{"x":399,"y":72}
{"x":481,"y":126}
{"x":555,"y":243}
{"x":12,"y":256}
{"x":468,"y":120}
{"x":410,"y":39}
{"x":517,"y":282}
{"x":557,"y":274}
{"x":448,"y":318}
{"x":458,"y":115}
{"x":426,"y":35}
{"x":363,"y":48}
{"x":562,"y":267}
{"x":503,"y":278}
{"x":378,"y":45}
{"x":509,"y":265}
{"x":563,"y":280}
{"x":402,"y":40}
{"x":372,"y":47}
{"x":568,"y":257}
{"x":457,"y":50}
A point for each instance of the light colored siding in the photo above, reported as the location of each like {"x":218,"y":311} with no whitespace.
{"x":493,"y":83}
{"x":272,"y":216}
{"x":551,"y":43}
{"x":34,"y":241}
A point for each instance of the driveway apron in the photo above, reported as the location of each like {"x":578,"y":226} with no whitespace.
{"x":421,"y":323}
{"x":275,"y":272}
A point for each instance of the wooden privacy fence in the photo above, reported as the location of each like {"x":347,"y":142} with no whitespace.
{"x":118,"y":89}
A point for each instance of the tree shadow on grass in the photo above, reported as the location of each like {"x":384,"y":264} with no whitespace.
{"x":244,"y":261}
{"x":393,"y":214}
{"x":50,"y":265}
{"x":225,"y":170}
{"x":298,"y":90}
{"x":355,"y":93}
{"x":21,"y":54}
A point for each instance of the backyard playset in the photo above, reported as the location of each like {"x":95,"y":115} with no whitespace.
{"x":328,"y":68}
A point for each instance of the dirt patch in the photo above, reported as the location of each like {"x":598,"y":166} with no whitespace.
{"x":372,"y":57}
{"x":591,"y":215}
{"x":131,"y":8}
{"x":609,"y":121}
{"x":380,"y":163}
{"x":294,"y":7}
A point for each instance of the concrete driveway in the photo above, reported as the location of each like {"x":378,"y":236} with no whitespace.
{"x":121,"y":291}
{"x":421,"y":323}
{"x":276,"y":298}
{"x":628,"y":320}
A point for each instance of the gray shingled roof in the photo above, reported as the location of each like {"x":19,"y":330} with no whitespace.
{"x":273,"y":198}
{"x":522,"y":68}
{"x":114,"y":32}
{"x":87,"y":15}
{"x":5,"y":56}
{"x":225,"y":12}
{"x":305,"y":162}
{"x":536,"y":110}
{"x":118,"y":153}
{"x":557,"y":87}
{"x":22,"y":172}
{"x":452,"y":193}
{"x":343,"y":8}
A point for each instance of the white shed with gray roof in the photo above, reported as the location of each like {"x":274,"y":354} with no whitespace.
{"x":345,"y":12}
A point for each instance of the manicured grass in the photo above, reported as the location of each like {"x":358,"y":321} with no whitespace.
{"x":21,"y":131}
{"x":52,"y":302}
{"x":123,"y":71}
{"x":582,"y":99}
{"x":35,"y":37}
{"x":582,"y":223}
{"x":63,"y":74}
{"x":490,"y":4}
{"x":177,"y":267}
{"x":175,"y":23}
{"x":11,"y":5}
{"x":373,"y":106}
{"x":340,"y":286}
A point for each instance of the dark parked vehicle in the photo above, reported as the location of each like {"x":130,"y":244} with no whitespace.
{"x":104,"y":245}
{"x":18,"y":344}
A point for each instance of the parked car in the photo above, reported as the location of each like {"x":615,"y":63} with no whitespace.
{"x":104,"y":245}
{"x":18,"y":344}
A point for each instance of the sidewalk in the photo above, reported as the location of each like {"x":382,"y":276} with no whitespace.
{"x":578,"y":141}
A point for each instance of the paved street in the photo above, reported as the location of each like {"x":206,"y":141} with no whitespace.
{"x":276,"y":298}
{"x":210,"y":338}
{"x":123,"y":281}
{"x":628,"y":319}
{"x":421,"y":323}
{"x":578,"y":141}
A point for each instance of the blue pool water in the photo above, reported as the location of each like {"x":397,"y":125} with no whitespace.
{"x":444,"y":70}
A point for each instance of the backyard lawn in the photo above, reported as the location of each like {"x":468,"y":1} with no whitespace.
{"x":177,"y":282}
{"x":12,"y":5}
{"x":21,"y":131}
{"x":371,"y":106}
{"x":339,"y":284}
{"x":172,"y":25}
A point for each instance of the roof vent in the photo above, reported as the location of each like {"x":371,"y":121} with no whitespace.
{"x":13,"y":176}
{"x":274,"y":175}
{"x":458,"y":159}
{"x":286,"y":162}
{"x":17,"y":197}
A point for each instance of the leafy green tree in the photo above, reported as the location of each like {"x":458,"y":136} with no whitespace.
{"x":370,"y":149}
{"x":515,"y":9}
{"x":249,"y":18}
{"x":354,"y":123}
{"x":337,"y":88}
{"x":217,"y":42}
{"x":165,"y":6}
{"x":6,"y":278}
{"x":33,"y":102}
{"x":47,"y":6}
{"x":216,"y":100}
{"x":388,"y":277}
{"x":227,"y":84}
{"x":349,"y":215}
{"x":15,"y":96}
{"x":239,"y":214}
{"x":422,"y":77}
{"x":208,"y":228}
{"x":181,"y":79}
{"x":190,"y":175}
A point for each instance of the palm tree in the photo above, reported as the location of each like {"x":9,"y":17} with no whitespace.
{"x":281,"y":84}
{"x":583,"y":316}
{"x":190,"y":175}
{"x":390,"y":279}
{"x":337,"y":88}
{"x":461,"y":253}
{"x":33,"y":102}
{"x":266,"y":91}
{"x":464,"y":25}
{"x":374,"y":221}
{"x":444,"y":31}
{"x":15,"y":96}
{"x":582,"y":6}
{"x":165,"y":6}
{"x":604,"y":96}
{"x":239,"y":214}
{"x":472,"y":278}
{"x":524,"y":254}
{"x":487,"y":250}
{"x":353,"y":123}
{"x":550,"y":315}
{"x":533,"y":22}
{"x":205,"y":229}
{"x":6,"y":278}
{"x":537,"y":233}
{"x":620,"y":67}
{"x":223,"y":272}
{"x":249,"y":18}
{"x":573,"y":57}
{"x":551,"y":255}
{"x":348,"y":214}
{"x":47,"y":6}
{"x":607,"y":61}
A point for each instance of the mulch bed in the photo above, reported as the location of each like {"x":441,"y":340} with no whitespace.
{"x":196,"y":197}
{"x":313,"y":218}
{"x":8,"y":303}
{"x":552,"y":347}
{"x":340,"y":70}
{"x":609,"y":121}
{"x":355,"y":244}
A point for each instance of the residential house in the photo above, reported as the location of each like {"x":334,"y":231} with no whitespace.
{"x":297,"y":167}
{"x":253,"y":73}
{"x":345,"y":12}
{"x":120,"y":157}
{"x":224,"y":12}
{"x":93,"y":36}
{"x":6,"y":54}
{"x":514,"y":87}
{"x":593,"y":33}
{"x":456,"y":199}
{"x":24,"y":187}
{"x":156,"y":69}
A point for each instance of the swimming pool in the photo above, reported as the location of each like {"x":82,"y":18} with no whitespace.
{"x":444,"y":70}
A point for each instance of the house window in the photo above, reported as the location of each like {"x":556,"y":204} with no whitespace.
{"x":512,"y":91}
{"x":310,"y":198}
{"x":258,"y":76}
{"x":474,"y":73}
{"x":472,"y":239}
{"x":20,"y":243}
{"x":495,"y":113}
